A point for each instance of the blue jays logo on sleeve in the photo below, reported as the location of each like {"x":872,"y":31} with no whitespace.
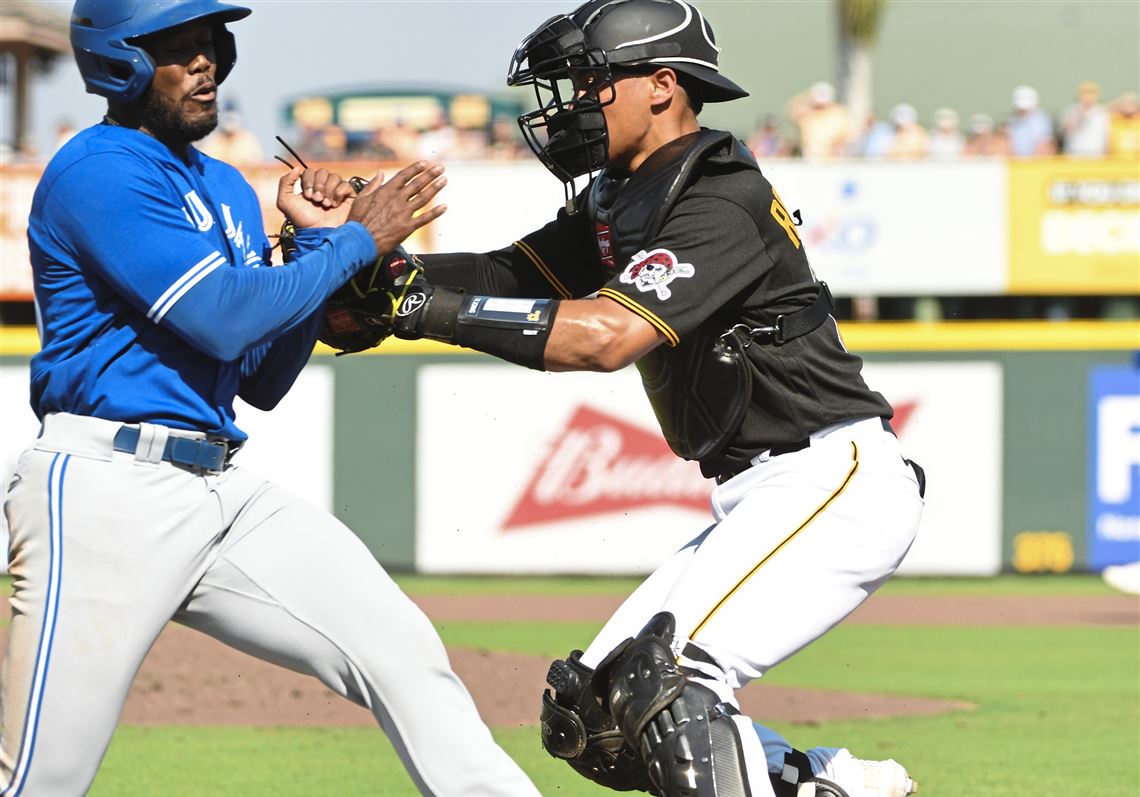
{"x":653,"y":271}
{"x":241,"y":239}
{"x":196,"y":211}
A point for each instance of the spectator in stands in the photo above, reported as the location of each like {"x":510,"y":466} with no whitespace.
{"x":825,"y":125}
{"x":379,"y":147}
{"x":875,"y":140}
{"x":984,"y":140}
{"x":506,"y":143}
{"x":471,"y":143}
{"x":1030,"y":128}
{"x":231,"y":141}
{"x":911,"y":139}
{"x":329,"y":143}
{"x":946,"y":139}
{"x":403,"y":140}
{"x":64,"y":130}
{"x":439,"y":140}
{"x":1124,"y":127}
{"x":768,"y":140}
{"x":1084,"y":125}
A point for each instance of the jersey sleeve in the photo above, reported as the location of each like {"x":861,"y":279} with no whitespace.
{"x":134,"y":234}
{"x":269,"y":371}
{"x":554,"y":262}
{"x":708,"y":251}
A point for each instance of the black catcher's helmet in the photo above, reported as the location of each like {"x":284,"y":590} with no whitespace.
{"x":599,"y":38}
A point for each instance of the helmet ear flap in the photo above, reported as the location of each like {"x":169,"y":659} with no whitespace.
{"x":122,"y":73}
{"x":225,"y":52}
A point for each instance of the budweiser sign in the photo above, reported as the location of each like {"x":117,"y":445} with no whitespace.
{"x":903,"y":412}
{"x":600,"y":464}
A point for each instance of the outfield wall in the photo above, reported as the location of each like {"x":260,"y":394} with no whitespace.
{"x":450,"y":462}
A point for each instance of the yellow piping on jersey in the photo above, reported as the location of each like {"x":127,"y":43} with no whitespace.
{"x":672,"y":338}
{"x":785,"y":541}
{"x":532,"y":255}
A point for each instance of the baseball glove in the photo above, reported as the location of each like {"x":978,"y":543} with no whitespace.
{"x":359,"y":314}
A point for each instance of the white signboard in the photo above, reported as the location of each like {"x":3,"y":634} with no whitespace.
{"x":948,"y":419}
{"x":292,"y":445}
{"x":568,"y":473}
{"x":876,"y":228}
{"x":490,"y":206}
{"x":900,"y":229}
{"x":557,"y":473}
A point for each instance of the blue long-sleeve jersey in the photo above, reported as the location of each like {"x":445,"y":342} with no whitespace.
{"x":155,"y":299}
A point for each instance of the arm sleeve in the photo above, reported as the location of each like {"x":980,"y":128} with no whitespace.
{"x":269,"y":371}
{"x":555,"y":262}
{"x":158,"y":261}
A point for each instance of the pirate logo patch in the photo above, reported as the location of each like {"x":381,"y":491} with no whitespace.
{"x":653,"y":271}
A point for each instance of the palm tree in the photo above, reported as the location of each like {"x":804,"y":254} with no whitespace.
{"x":858,"y":26}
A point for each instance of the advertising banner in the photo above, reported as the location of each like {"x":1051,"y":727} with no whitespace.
{"x":1074,"y":226}
{"x":17,"y":184}
{"x":885,"y":229}
{"x":568,"y":473}
{"x":547,"y":473}
{"x":901,"y":228}
{"x":948,"y":417}
{"x":1114,"y":466}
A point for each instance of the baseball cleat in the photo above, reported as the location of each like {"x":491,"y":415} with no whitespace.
{"x":821,"y":787}
{"x":860,"y":778}
{"x":1125,"y":578}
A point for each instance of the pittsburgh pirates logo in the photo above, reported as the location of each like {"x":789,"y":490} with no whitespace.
{"x":653,"y":271}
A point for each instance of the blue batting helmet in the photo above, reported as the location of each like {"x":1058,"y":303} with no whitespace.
{"x":103,"y":31}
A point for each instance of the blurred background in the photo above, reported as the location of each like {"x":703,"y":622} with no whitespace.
{"x":968,"y":175}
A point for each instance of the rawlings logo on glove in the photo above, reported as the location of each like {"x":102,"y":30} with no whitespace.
{"x":360,"y":314}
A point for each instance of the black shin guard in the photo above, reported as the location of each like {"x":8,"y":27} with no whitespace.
{"x":685,"y":735}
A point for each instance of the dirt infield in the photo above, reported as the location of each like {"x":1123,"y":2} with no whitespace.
{"x":189,"y":679}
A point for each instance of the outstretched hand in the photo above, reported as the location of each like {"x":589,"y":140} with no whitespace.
{"x":393,"y":210}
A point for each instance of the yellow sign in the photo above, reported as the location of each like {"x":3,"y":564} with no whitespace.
{"x":1074,"y":226}
{"x":1043,"y":552}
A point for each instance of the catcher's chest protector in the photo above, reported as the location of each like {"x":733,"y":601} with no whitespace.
{"x":700,"y":388}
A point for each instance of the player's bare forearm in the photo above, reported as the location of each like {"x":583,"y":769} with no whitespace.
{"x":598,"y":335}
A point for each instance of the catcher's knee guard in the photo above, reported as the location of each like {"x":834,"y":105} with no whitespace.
{"x":685,"y":735}
{"x":797,"y":780}
{"x":577,"y":729}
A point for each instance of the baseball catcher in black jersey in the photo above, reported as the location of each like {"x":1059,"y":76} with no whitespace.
{"x":678,"y":257}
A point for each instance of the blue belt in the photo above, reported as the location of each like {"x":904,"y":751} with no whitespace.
{"x":203,"y":454}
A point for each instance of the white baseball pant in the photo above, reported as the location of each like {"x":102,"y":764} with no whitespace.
{"x":106,"y":547}
{"x":800,"y":540}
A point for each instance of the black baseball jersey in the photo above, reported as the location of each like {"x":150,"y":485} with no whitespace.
{"x":727,"y":252}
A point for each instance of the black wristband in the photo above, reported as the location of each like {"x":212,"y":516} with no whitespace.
{"x":515,"y":330}
{"x":522,"y":346}
{"x":438,"y":317}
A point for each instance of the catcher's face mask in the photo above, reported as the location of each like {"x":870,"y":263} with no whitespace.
{"x":567,"y":132}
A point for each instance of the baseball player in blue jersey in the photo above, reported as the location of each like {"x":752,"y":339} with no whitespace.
{"x":157,"y":308}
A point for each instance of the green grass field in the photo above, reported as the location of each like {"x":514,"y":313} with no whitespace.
{"x":1058,"y":709}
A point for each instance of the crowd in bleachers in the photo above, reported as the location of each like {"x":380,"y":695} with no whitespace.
{"x":395,"y":142}
{"x":816,"y":126}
